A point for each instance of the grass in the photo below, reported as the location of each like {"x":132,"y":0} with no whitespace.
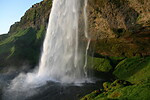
{"x":12,"y":51}
{"x":19,"y":46}
{"x":99,"y":64}
{"x":133,"y":81}
{"x":133,"y":70}
{"x":120,"y":92}
{"x":40,"y":33}
{"x":14,"y":36}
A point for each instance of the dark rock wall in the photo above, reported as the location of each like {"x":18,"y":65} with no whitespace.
{"x":120,"y":27}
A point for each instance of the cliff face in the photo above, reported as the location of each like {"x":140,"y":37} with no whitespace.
{"x":120,"y":40}
{"x":120,"y":27}
{"x":118,"y":16}
{"x":22,"y":45}
{"x":35,"y":17}
{"x":117,"y":28}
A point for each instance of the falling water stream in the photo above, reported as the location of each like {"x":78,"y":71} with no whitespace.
{"x":61,"y":58}
{"x":86,"y":35}
{"x":62,"y":61}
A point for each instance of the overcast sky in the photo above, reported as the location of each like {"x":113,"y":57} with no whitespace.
{"x":11,"y":11}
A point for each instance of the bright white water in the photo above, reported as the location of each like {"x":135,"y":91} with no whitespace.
{"x":61,"y":59}
{"x":86,"y":34}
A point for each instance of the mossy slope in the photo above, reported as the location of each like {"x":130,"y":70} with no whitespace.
{"x":117,"y":91}
{"x":22,"y":47}
{"x":99,"y":64}
{"x":134,"y":70}
{"x":133,"y":84}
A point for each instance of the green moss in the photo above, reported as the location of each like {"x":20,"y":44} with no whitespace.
{"x":3,"y":36}
{"x":20,"y":46}
{"x":25,"y":48}
{"x":115,"y":60}
{"x":118,"y":90}
{"x":30,"y":15}
{"x":134,"y":70}
{"x":40,"y":33}
{"x":12,"y":51}
{"x":14,"y":36}
{"x":23,"y":43}
{"x":90,"y":96}
{"x":4,"y":49}
{"x":99,"y":64}
{"x":106,"y":85}
{"x":136,"y":92}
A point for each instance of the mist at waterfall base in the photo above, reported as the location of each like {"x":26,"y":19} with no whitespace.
{"x":62,"y":62}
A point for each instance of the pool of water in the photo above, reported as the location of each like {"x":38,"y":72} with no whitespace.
{"x":50,"y":91}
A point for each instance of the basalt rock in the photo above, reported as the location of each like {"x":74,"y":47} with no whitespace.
{"x":119,"y":27}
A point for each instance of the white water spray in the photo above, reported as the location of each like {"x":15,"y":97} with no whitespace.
{"x":61,"y":59}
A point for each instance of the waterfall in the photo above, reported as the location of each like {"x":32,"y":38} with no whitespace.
{"x":61,"y":59}
{"x":86,"y":35}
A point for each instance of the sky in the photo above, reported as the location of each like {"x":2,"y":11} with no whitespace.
{"x":11,"y":11}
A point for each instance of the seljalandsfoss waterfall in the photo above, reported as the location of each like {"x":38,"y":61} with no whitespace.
{"x":75,"y":50}
{"x":63,"y":60}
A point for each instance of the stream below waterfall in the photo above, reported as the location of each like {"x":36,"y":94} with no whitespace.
{"x":50,"y":91}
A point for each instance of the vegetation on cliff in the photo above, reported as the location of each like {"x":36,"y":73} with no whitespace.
{"x":134,"y":81}
{"x":22,"y":45}
{"x":120,"y":33}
